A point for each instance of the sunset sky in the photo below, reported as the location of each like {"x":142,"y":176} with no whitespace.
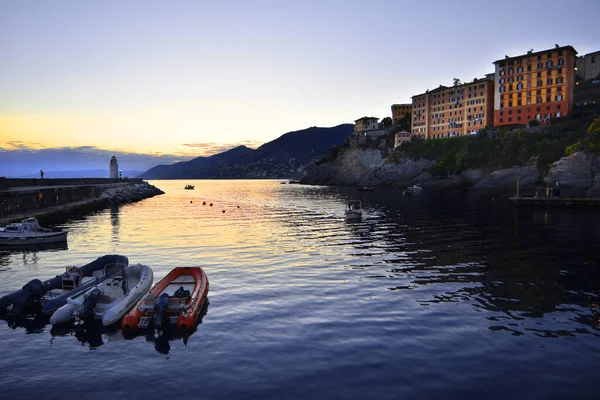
{"x":188,"y":78}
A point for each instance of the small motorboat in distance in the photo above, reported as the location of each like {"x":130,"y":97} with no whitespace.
{"x":29,"y":232}
{"x":353,"y":209}
{"x":414,"y":190}
{"x":111,"y":299}
{"x":189,"y":187}
{"x":366,"y":189}
{"x":177,"y":299}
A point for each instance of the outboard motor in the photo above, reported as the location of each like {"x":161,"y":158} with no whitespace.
{"x":87,"y":308}
{"x":159,"y":309}
{"x":32,"y":292}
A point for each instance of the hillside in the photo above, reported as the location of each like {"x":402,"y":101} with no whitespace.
{"x":285,"y":157}
{"x":567,"y":151}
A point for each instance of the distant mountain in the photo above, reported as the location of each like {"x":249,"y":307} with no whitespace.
{"x":285,"y":157}
{"x":88,"y":173}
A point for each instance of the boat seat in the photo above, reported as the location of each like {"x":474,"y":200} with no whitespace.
{"x":173,"y":287}
{"x":183,"y":279}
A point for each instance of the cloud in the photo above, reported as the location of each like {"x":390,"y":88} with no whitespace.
{"x":211,"y":148}
{"x":20,"y":159}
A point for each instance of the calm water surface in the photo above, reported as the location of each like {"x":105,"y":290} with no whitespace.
{"x":445,"y":296}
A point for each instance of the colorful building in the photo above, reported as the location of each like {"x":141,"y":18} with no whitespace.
{"x":402,"y":137}
{"x":537,"y":85}
{"x":366,"y":124}
{"x":399,"y":111}
{"x":459,"y":110}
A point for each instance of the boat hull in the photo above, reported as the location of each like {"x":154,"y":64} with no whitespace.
{"x":52,"y":302}
{"x":109,"y":313}
{"x":53,"y":237}
{"x":185,"y":315}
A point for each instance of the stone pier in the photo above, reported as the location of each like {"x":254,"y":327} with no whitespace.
{"x":20,"y":198}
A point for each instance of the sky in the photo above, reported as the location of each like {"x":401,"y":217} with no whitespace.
{"x":163,"y":81}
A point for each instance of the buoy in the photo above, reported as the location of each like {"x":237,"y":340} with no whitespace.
{"x":191,"y":201}
{"x":203,"y":203}
{"x":211,"y":204}
{"x":223,"y":211}
{"x":238,"y":206}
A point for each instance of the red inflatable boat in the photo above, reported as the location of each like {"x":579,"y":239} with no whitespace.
{"x":177,"y":299}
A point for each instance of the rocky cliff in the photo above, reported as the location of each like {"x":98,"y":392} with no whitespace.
{"x":353,"y":166}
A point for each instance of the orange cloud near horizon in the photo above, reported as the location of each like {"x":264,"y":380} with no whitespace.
{"x":120,"y":133}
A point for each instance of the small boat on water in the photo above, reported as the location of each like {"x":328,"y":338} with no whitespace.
{"x":353,"y":209}
{"x":366,"y":189}
{"x":28,"y":232}
{"x":189,"y":187}
{"x":412,"y":190}
{"x":177,"y":300}
{"x":109,"y":300}
{"x":37,"y":297}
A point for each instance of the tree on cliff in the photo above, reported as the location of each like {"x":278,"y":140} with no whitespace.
{"x":590,"y":143}
{"x":386,"y":122}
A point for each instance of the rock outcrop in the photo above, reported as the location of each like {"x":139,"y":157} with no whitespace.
{"x":130,"y":194}
{"x":368,"y":167}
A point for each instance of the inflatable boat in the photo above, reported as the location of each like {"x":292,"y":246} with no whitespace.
{"x":109,"y":300}
{"x":177,"y":299}
{"x":47,"y":296}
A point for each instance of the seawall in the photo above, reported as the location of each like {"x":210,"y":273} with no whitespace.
{"x":21,"y":198}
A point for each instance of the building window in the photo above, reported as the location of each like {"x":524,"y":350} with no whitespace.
{"x":540,"y":65}
{"x":549,"y":81}
{"x":561,"y":61}
{"x":519,"y":86}
{"x":529,"y":67}
{"x":558,"y":114}
{"x":559,"y":97}
{"x":549,"y":64}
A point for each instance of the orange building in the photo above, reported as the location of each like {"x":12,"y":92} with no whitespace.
{"x":462,"y":109}
{"x":537,"y":85}
{"x":399,"y":111}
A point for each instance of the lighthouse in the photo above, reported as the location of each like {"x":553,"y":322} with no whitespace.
{"x":114,"y":168}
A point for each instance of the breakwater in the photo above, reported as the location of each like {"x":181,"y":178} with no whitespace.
{"x":20,"y":198}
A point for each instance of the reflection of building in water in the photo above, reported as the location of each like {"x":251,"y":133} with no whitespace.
{"x":114,"y":168}
{"x":114,"y":222}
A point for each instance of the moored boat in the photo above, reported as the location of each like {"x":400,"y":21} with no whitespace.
{"x":28,"y":232}
{"x":111,"y":299}
{"x":177,"y":300}
{"x":189,"y":187}
{"x":47,"y":296}
{"x":414,"y":190}
{"x":353,"y":209}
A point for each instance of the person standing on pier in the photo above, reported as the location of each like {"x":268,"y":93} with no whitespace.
{"x":41,"y":174}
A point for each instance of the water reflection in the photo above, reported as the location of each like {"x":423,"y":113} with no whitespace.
{"x":114,"y":222}
{"x":94,"y":335}
{"x":161,"y":340}
{"x":516,"y":274}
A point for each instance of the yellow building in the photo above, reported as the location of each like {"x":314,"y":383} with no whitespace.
{"x":366,"y":124}
{"x":450,"y":111}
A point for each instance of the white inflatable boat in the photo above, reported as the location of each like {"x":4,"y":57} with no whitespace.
{"x":110,"y":300}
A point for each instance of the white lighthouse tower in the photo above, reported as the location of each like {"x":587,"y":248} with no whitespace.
{"x":114,"y":168}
